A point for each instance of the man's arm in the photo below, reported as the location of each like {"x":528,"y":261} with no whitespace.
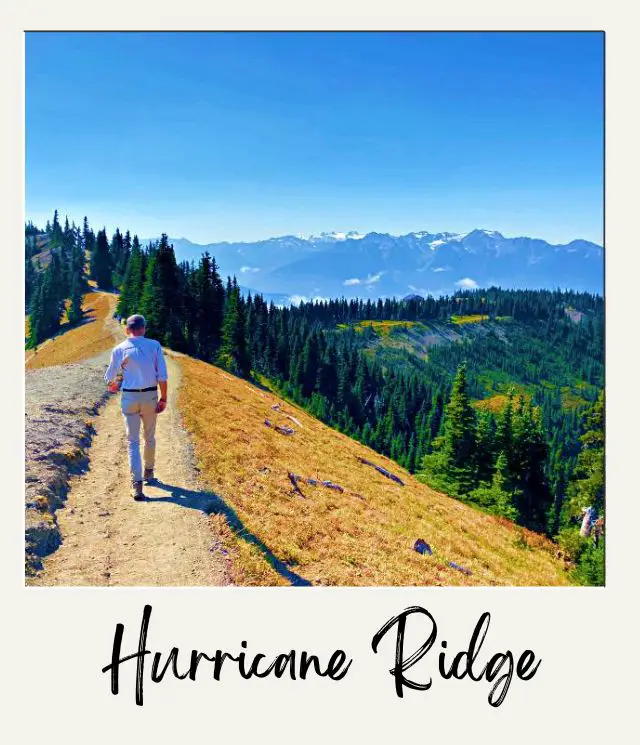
{"x":162,"y":403}
{"x":112,"y":370}
{"x":161,"y":373}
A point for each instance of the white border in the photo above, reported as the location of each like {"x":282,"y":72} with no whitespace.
{"x":56,"y":640}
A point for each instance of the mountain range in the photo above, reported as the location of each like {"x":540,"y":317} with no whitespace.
{"x":377,"y":265}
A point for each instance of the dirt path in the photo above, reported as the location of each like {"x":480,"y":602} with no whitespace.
{"x":109,"y":539}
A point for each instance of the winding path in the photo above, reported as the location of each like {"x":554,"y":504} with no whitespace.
{"x":109,"y":539}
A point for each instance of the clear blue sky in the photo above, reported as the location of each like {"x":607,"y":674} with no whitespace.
{"x":243,"y":136}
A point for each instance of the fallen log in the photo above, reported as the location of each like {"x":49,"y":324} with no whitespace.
{"x":459,"y":568}
{"x":319,"y":482}
{"x":331,"y":485}
{"x":382,"y":470}
{"x":284,"y":430}
{"x":293,"y":419}
{"x":294,"y":480}
{"x":278,"y":428}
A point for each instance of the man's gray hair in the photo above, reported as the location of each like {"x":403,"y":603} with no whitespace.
{"x":136,"y":322}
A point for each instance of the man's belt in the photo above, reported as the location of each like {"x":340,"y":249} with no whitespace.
{"x":140,"y":390}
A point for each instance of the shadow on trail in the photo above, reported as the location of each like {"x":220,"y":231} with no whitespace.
{"x":211,"y":504}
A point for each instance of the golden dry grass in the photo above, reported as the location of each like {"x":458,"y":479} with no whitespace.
{"x":493,"y":403}
{"x":81,"y":342}
{"x":384,"y":328}
{"x":461,"y":320}
{"x":332,"y":538}
{"x":498,"y":401}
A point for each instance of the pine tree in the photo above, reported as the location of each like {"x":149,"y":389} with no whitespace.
{"x":233,"y":354}
{"x":309,"y":366}
{"x":117,"y":257}
{"x":455,"y":451}
{"x":485,"y":454}
{"x":74,"y":313}
{"x":56,"y":230}
{"x":101,"y":262}
{"x":55,"y":272}
{"x":151,"y":301}
{"x":78,"y":260}
{"x":532,"y":497}
{"x":88,"y":238}
{"x":30,"y":280}
{"x":504,"y":430}
{"x":587,"y":487}
{"x":123,"y":260}
{"x":502,"y":490}
{"x":162,"y":297}
{"x":36,"y":318}
{"x":47,"y":306}
{"x":67,"y":243}
{"x":229,"y":325}
{"x":133,"y":282}
{"x":208,"y":304}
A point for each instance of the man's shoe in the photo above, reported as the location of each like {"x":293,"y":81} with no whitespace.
{"x":148,"y":475}
{"x":136,"y":491}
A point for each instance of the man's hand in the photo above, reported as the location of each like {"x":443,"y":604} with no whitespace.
{"x":162,"y":405}
{"x":112,"y":387}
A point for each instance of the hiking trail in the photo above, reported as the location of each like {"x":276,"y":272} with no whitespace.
{"x":110,"y":539}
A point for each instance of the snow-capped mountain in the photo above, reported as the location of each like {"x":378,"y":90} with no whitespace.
{"x":331,"y":237}
{"x":376,"y":265}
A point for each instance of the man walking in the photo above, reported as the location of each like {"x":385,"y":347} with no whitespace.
{"x":143,"y":369}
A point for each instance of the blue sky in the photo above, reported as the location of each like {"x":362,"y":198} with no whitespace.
{"x":244,"y":136}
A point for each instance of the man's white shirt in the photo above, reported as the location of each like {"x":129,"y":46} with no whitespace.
{"x":142,"y":362}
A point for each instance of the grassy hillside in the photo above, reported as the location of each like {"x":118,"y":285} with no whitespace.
{"x":79,"y":342}
{"x":490,"y":346}
{"x":363,"y":535}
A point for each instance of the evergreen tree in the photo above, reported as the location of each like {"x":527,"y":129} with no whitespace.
{"x":498,"y":496}
{"x":587,"y":487}
{"x":208,"y":304}
{"x":56,"y":230}
{"x":46,"y":307}
{"x":30,"y":281}
{"x":88,"y":238}
{"x":233,"y":354}
{"x":455,"y":451}
{"x":130,"y":298}
{"x":162,"y":297}
{"x":101,"y":262}
{"x":74,"y":313}
{"x":118,"y":257}
{"x":55,"y":273}
{"x":485,"y":454}
{"x":36,"y":318}
{"x":532,"y":497}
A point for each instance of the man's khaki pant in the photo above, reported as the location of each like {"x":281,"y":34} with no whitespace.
{"x":140,"y":408}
